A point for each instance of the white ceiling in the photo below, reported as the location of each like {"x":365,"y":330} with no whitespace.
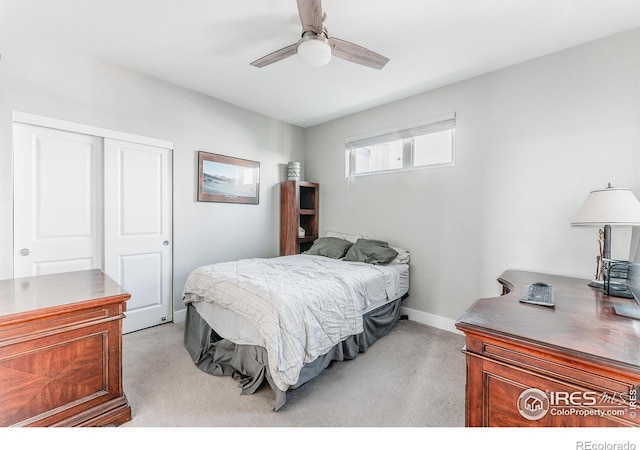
{"x":207,"y":45}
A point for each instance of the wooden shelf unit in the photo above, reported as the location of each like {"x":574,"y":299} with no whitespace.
{"x":299,"y":207}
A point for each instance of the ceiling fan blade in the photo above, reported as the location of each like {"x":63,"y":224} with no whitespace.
{"x":276,"y":56}
{"x":356,"y":54}
{"x":311,"y":15}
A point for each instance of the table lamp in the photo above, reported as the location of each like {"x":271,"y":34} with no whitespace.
{"x":607,"y":207}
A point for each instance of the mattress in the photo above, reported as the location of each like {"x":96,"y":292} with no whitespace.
{"x":374,"y":286}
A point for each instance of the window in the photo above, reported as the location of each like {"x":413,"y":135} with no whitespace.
{"x":425,"y":145}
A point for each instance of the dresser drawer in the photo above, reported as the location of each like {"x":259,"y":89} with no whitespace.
{"x":574,"y":392}
{"x":61,"y":351}
{"x":20,"y":330}
{"x":518,"y":398}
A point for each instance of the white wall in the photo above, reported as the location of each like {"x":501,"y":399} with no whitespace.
{"x":532,"y":141}
{"x":41,"y":79}
{"x":536,"y":136}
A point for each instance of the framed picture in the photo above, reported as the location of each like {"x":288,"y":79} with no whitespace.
{"x":227,"y":179}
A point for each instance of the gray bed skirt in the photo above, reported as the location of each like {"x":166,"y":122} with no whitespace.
{"x":249,"y":363}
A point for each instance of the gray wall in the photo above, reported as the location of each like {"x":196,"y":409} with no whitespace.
{"x":532,"y":141}
{"x":49,"y":81}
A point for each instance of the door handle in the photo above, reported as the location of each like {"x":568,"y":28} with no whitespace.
{"x":165,"y":243}
{"x":24,"y":252}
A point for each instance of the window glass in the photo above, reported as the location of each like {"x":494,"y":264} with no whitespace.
{"x":433,"y":149}
{"x":378,"y":157}
{"x":426,"y":145}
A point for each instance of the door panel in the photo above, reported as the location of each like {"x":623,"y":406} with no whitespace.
{"x":57,"y":201}
{"x":138,"y":232}
{"x":63,"y":265}
{"x":143,"y":275}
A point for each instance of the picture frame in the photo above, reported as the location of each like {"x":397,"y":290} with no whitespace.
{"x":227,"y":179}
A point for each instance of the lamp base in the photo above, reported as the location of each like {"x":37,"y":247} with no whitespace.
{"x":597,"y":284}
{"x":612,"y":289}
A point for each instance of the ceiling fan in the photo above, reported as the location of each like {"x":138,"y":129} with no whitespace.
{"x":315,"y":47}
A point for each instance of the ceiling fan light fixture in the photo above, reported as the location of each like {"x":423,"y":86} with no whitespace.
{"x":315,"y":47}
{"x":314,"y":51}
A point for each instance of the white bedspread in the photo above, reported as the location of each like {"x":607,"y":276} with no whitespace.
{"x":302,"y":305}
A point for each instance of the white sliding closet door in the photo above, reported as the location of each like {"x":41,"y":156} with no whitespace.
{"x":57,"y":201}
{"x":91,"y":198}
{"x":138,"y":229}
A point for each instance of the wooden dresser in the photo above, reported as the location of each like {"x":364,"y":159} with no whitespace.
{"x":61,"y":351}
{"x":577,"y":364}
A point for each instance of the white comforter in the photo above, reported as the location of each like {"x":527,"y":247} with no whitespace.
{"x":302,"y":305}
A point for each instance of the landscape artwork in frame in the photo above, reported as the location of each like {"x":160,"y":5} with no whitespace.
{"x":227,"y":179}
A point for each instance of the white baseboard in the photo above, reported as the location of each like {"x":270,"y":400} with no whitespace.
{"x":432,"y":320}
{"x":418,"y":316}
{"x":179,"y":316}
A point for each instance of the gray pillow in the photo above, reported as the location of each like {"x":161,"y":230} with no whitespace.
{"x":330,"y":247}
{"x":371,"y":251}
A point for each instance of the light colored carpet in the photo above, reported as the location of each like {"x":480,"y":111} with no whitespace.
{"x":413,"y":377}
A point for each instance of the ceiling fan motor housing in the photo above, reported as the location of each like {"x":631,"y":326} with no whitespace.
{"x":313,"y":49}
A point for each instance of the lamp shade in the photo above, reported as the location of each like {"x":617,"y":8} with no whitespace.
{"x":314,"y":52}
{"x":610,"y":206}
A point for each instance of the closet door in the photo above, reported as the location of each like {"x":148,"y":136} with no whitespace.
{"x":57,"y":201}
{"x":138,"y":229}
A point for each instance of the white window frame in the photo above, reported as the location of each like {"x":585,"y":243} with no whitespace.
{"x":407,"y":134}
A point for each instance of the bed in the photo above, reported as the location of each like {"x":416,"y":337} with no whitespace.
{"x":285,"y":319}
